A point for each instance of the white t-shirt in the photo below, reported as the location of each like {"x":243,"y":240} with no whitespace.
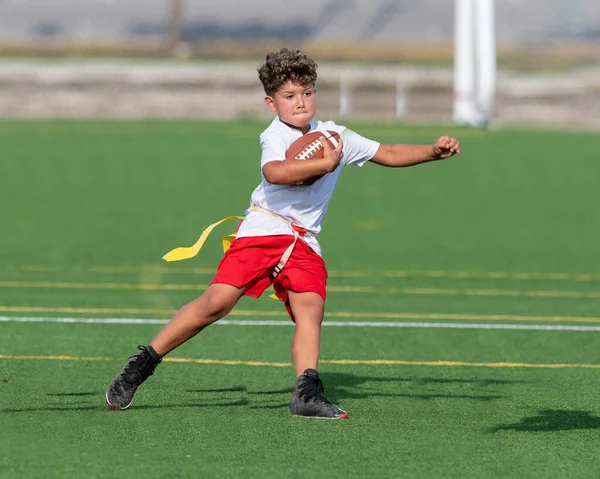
{"x":303,"y":205}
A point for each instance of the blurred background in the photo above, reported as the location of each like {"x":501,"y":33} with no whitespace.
{"x":379,"y":59}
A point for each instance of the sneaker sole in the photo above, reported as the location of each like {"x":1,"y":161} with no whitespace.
{"x":343,"y":416}
{"x":116,"y":408}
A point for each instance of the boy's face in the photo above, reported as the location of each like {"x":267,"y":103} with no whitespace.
{"x":294,"y":104}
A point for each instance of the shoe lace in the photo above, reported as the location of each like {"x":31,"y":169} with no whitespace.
{"x":313,"y":388}
{"x":141,"y":366}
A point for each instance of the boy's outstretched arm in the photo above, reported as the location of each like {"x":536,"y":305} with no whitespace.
{"x":409,"y":155}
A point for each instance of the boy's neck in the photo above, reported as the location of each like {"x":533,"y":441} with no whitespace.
{"x":305,"y":129}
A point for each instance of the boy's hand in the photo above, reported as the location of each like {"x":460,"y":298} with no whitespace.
{"x":332,"y":157}
{"x":445,"y":147}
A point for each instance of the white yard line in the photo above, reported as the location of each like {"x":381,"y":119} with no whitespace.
{"x":355,"y":324}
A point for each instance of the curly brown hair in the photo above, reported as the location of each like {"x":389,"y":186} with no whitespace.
{"x":287,"y":65}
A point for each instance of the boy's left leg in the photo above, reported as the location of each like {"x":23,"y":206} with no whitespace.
{"x":308,"y":398}
{"x":215,"y":302}
{"x":308,"y":310}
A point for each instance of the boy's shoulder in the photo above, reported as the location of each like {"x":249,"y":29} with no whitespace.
{"x":277,"y":127}
{"x":328,"y":125}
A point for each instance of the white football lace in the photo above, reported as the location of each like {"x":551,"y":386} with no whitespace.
{"x":309,"y":150}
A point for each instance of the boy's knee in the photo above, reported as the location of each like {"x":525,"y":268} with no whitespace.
{"x":215,"y":306}
{"x":307,"y":308}
{"x":216,"y":303}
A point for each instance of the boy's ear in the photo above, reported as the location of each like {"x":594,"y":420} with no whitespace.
{"x":270,"y":103}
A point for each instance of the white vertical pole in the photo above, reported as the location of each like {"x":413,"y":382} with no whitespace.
{"x":344,"y":96}
{"x":400,"y":100}
{"x":486,"y":58}
{"x":464,"y":62}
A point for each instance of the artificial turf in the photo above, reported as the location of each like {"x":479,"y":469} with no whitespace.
{"x":505,"y":234}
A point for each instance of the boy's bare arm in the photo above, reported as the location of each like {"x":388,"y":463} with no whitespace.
{"x":409,"y":155}
{"x":291,"y":172}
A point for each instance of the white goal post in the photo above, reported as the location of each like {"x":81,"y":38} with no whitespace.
{"x":474,"y":62}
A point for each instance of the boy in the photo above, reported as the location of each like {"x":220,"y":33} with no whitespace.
{"x":276,"y":242}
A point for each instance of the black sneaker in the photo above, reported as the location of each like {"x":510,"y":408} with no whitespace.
{"x":136,"y":371}
{"x":308,"y":399}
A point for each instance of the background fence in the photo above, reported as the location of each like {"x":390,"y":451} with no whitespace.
{"x":389,"y":59}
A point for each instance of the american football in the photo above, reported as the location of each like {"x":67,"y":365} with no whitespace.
{"x":309,"y":147}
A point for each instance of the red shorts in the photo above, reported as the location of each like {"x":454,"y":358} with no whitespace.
{"x":250,"y":261}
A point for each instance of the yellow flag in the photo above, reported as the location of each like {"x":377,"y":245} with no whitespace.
{"x":188,"y":252}
{"x":182,"y":252}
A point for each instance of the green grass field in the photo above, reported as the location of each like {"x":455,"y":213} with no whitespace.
{"x":463,"y":317}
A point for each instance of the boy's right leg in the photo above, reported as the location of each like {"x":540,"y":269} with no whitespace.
{"x":217,"y":301}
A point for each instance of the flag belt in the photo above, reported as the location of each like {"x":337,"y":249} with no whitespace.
{"x":186,"y":252}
